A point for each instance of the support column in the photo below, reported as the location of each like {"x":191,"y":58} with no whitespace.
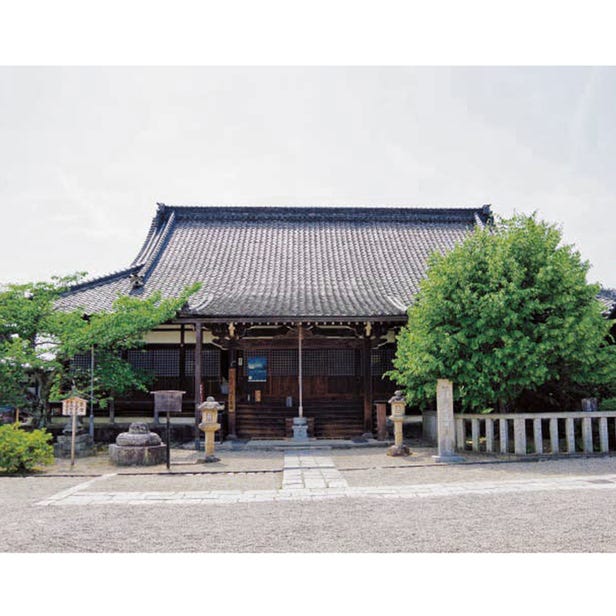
{"x":182,"y":366}
{"x":197,"y":376}
{"x":381,"y":421}
{"x":445,"y":423}
{"x":231,"y":402}
{"x":367,"y":378}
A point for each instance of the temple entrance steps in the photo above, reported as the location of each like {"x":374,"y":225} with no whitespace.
{"x":334,"y":419}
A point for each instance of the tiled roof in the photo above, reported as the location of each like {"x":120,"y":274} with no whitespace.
{"x":286,"y":262}
{"x":608,"y":298}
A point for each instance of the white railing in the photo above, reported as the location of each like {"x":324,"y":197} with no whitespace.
{"x":537,"y":433}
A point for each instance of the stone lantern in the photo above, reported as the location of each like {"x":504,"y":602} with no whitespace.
{"x":209,"y":424}
{"x":398,"y":406}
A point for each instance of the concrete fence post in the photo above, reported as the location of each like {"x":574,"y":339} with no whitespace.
{"x":445,"y":423}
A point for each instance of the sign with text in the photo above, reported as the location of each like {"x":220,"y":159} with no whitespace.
{"x":74,"y":406}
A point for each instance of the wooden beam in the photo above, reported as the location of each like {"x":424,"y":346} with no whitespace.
{"x":308,"y":343}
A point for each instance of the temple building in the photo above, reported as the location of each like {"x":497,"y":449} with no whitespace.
{"x":335,"y":280}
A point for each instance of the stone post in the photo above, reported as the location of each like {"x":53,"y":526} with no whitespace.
{"x":445,"y":423}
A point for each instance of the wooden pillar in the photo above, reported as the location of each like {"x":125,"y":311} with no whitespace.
{"x":381,"y":421}
{"x":182,"y":367}
{"x":197,"y":375}
{"x":367,"y":378}
{"x":231,"y":402}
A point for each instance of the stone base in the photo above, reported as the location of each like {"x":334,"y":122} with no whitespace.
{"x":398,"y":450}
{"x":300,"y":429}
{"x":83,"y":446}
{"x":449,"y":459}
{"x":209,"y":459}
{"x":138,"y":456}
{"x":429,"y":430}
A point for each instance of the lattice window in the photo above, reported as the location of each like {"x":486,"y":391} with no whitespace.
{"x":81,"y":361}
{"x":281,"y":362}
{"x":161,"y":362}
{"x":381,"y":360}
{"x":330,"y":362}
{"x":210,"y":362}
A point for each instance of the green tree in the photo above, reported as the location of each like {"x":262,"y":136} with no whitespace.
{"x":38,"y":342}
{"x":507,"y":311}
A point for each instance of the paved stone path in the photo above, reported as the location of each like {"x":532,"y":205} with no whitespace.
{"x":300,"y":484}
{"x":309,"y":469}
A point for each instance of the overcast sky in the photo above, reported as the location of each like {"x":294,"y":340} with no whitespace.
{"x":85,"y":153}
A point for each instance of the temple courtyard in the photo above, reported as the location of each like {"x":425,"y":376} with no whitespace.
{"x":322,"y":499}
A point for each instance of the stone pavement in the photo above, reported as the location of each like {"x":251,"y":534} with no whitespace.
{"x":312,"y":475}
{"x":310,"y":469}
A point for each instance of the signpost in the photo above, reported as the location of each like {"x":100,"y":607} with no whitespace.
{"x":73,"y":407}
{"x":168,"y":401}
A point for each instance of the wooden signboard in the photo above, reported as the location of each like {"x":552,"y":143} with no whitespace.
{"x":73,"y":407}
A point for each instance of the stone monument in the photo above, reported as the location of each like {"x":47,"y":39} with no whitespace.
{"x":84,"y":445}
{"x":445,"y":423}
{"x":138,"y":447}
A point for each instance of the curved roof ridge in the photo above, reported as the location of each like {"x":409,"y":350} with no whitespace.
{"x":157,"y":245}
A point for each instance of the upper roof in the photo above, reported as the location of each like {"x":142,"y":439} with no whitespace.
{"x":316,"y":263}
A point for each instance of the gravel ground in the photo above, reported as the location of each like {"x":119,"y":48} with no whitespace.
{"x":581,"y":520}
{"x":431,"y":473}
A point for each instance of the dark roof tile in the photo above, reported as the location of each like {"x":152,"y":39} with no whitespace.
{"x":287,"y":262}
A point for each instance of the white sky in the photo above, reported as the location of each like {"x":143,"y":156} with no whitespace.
{"x":86,"y":153}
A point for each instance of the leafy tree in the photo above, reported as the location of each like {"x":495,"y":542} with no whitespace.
{"x":506,"y":312}
{"x":29,"y":328}
{"x":38,"y":343}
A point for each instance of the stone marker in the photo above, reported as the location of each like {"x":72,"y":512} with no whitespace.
{"x":445,"y":423}
{"x":138,"y":447}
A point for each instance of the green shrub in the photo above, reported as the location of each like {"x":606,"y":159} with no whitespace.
{"x":23,"y":451}
{"x":609,"y":404}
